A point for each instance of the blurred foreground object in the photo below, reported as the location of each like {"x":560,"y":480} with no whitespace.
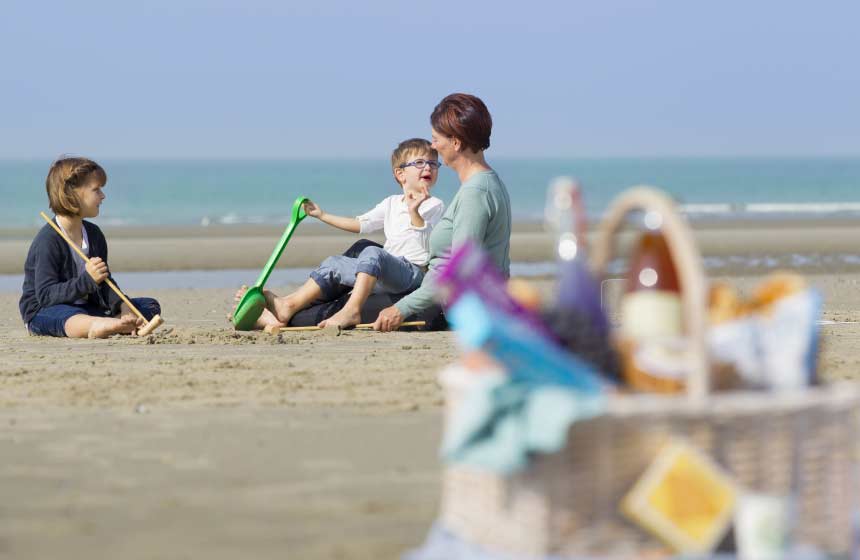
{"x":576,"y":316}
{"x":770,"y":340}
{"x":469,"y":270}
{"x":684,"y":498}
{"x":577,"y":291}
{"x":652,"y":344}
{"x":796,"y":450}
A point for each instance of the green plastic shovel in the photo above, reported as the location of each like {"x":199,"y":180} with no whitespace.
{"x":253,"y":302}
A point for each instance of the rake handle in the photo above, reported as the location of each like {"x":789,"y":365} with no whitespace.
{"x":359,"y":326}
{"x":86,"y":259}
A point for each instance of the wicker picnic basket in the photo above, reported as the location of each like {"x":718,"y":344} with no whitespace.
{"x":800,"y":444}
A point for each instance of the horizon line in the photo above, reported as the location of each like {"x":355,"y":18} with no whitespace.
{"x":489,"y":157}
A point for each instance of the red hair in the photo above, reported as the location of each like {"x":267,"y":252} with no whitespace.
{"x":464,"y":117}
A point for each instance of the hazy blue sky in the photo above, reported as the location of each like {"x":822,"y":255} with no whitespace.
{"x":276,"y":79}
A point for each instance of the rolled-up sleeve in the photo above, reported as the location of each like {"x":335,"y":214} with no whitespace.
{"x":374,"y":220}
{"x":431,"y":214}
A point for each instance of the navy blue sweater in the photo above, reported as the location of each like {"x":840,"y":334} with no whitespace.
{"x":50,"y":276}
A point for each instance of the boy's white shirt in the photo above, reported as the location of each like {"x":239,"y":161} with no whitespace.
{"x":402,"y":239}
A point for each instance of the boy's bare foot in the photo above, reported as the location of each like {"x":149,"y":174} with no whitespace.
{"x":282,"y":308}
{"x":268,"y":320}
{"x":103,"y":328}
{"x":343,"y":319}
{"x":237,"y":297}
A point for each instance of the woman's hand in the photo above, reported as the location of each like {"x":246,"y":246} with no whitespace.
{"x":97,"y":269}
{"x":389,"y":319}
{"x":311,"y":209}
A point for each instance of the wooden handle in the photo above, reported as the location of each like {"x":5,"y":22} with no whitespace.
{"x":363,"y":326}
{"x":151,"y":326}
{"x":406,"y":324}
{"x":86,"y":259}
{"x":688,"y":263}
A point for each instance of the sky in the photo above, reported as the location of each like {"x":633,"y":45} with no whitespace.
{"x":344,"y":79}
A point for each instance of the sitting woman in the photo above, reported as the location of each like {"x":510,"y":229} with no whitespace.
{"x":481,"y":209}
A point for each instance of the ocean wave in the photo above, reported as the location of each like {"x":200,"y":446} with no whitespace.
{"x":236,"y":219}
{"x":772,"y":208}
{"x":694,"y":211}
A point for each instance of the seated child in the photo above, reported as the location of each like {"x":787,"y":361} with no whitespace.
{"x":63,"y":294}
{"x":407,"y":220}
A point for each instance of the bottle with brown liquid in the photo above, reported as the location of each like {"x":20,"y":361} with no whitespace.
{"x":652,"y":343}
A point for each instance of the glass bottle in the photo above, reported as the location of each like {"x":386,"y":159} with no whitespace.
{"x":651,"y":314}
{"x":577,"y":289}
{"x":577,"y":318}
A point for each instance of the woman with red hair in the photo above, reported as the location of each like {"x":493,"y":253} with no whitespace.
{"x":481,"y":209}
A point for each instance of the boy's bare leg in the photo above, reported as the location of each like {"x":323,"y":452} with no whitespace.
{"x":88,"y":326}
{"x":280,"y":309}
{"x":265,"y":319}
{"x":284,"y":307}
{"x":350,"y":315}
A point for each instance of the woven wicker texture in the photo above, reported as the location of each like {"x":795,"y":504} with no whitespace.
{"x":802,"y":445}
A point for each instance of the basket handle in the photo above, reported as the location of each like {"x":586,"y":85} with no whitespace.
{"x":688,"y":263}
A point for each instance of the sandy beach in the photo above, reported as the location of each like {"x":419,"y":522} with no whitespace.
{"x":199,"y":442}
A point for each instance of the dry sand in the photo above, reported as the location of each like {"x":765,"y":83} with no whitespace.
{"x":199,"y":442}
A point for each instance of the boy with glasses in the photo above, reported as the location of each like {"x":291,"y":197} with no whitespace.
{"x":397,"y":268}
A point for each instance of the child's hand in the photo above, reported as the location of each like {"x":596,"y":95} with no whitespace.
{"x":311,"y":209}
{"x":414,"y":199}
{"x":97,"y":269}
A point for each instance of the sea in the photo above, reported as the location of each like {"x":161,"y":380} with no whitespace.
{"x":194,"y":192}
{"x":206,"y":192}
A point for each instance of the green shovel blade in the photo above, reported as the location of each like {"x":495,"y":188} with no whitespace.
{"x":253,"y":303}
{"x":249,"y":309}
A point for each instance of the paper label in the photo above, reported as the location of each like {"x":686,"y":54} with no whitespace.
{"x":651,"y":313}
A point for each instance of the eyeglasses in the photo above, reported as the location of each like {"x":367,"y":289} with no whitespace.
{"x":422,"y":163}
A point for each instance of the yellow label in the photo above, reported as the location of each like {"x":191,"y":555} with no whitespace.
{"x":651,"y":313}
{"x":684,"y":498}
{"x":691,"y":498}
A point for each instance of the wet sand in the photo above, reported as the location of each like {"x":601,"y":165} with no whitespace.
{"x":229,"y":247}
{"x":199,"y":442}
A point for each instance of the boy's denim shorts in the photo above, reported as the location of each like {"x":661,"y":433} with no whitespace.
{"x":51,"y":321}
{"x":394,"y":275}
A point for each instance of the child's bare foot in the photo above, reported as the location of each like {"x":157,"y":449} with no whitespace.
{"x":344,"y":319}
{"x":240,"y":293}
{"x":237,"y":297}
{"x":282,"y":308}
{"x":103,"y":328}
{"x":268,"y":320}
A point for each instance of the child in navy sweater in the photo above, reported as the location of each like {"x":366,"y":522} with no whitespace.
{"x":63,"y":294}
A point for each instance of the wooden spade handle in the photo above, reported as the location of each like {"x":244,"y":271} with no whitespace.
{"x":86,"y":259}
{"x":276,"y":330}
